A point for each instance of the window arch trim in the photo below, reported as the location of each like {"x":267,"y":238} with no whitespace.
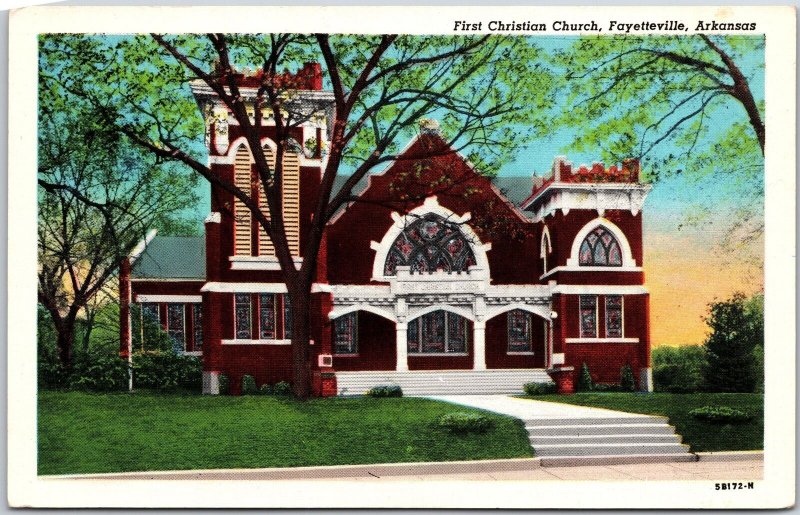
{"x":430,"y":206}
{"x":627,"y":256}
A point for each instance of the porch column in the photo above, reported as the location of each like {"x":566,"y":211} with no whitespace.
{"x":479,"y":344}
{"x":402,"y":346}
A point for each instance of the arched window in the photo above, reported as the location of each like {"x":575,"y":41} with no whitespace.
{"x":430,"y":244}
{"x":438,"y":332}
{"x":600,"y":248}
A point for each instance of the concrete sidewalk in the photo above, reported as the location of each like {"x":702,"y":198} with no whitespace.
{"x":716,"y":466}
{"x":530,"y":409}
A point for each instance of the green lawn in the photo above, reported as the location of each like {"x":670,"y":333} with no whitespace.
{"x":700,"y":435}
{"x":84,"y":433}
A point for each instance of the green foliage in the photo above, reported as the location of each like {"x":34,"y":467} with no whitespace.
{"x":605,"y":387}
{"x":266,"y":389}
{"x":224,"y":385}
{"x":282,"y":388}
{"x":463,"y":423}
{"x":627,"y":382}
{"x":539,"y":388}
{"x":721,"y":414}
{"x":678,"y":369}
{"x":99,"y":374}
{"x":736,"y":329}
{"x":249,"y":385}
{"x":585,"y":383}
{"x":392,"y":390}
{"x":166,"y":370}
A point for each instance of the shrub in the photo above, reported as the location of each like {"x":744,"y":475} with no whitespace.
{"x":266,"y":389}
{"x":539,"y":388}
{"x":51,"y":375}
{"x":282,"y":388}
{"x":99,"y":374}
{"x":627,"y":383}
{"x":604,"y":387}
{"x":720,"y":414}
{"x":224,"y":385}
{"x":737,"y":326}
{"x":249,"y":385}
{"x":165,"y":370}
{"x":678,"y":369}
{"x":392,"y":390}
{"x":462,"y":423}
{"x":585,"y":383}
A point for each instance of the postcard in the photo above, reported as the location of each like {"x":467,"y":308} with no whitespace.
{"x":402,"y":257}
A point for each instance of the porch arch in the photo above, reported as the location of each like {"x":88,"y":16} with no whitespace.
{"x":346,"y":310}
{"x":463,"y":312}
{"x":541,"y":311}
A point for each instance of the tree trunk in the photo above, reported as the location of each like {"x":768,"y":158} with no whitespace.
{"x":301,"y":321}
{"x":65,"y":341}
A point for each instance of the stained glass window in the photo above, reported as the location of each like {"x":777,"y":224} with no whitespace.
{"x":176,"y":326}
{"x":430,"y":244}
{"x":197,"y":311}
{"x":614,"y":316}
{"x":150,"y":312}
{"x":287,"y":318}
{"x":346,"y":334}
{"x":600,"y":248}
{"x":519,"y":331}
{"x":266,"y":313}
{"x":438,"y":332}
{"x":588,"y":312}
{"x":243,"y":321}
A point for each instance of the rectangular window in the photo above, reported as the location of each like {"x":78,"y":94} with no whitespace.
{"x":456,"y":333}
{"x":433,"y":327}
{"x":287,"y":318}
{"x":242,"y":315}
{"x":346,"y":334}
{"x":413,"y":336}
{"x":520,"y":334}
{"x":197,"y":312}
{"x":266,"y":315}
{"x":614,"y":316}
{"x":176,"y":326}
{"x":150,"y":312}
{"x":588,"y":316}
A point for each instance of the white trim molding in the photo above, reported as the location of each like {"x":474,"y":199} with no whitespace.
{"x":601,"y":197}
{"x":142,"y":245}
{"x":216,"y":287}
{"x":540,"y":310}
{"x":144,"y":297}
{"x":625,"y":247}
{"x":260,"y":263}
{"x":416,"y":313}
{"x":192,"y":353}
{"x":601,"y":289}
{"x":591,"y":269}
{"x":601,"y":340}
{"x":213,"y":217}
{"x":256,"y":342}
{"x":346,"y":310}
{"x":430,"y":205}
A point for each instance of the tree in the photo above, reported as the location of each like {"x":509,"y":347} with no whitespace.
{"x":690,"y":105}
{"x":382,"y":87}
{"x":97,"y":197}
{"x":736,"y":331}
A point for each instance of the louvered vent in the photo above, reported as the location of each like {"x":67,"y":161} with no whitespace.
{"x":242,"y":216}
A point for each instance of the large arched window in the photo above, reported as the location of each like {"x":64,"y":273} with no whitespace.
{"x":600,"y":248}
{"x":430,"y":244}
{"x":438,"y":332}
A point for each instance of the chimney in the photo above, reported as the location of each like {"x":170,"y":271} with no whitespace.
{"x":313,"y":75}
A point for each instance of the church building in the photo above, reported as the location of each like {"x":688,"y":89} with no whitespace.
{"x":437,"y":278}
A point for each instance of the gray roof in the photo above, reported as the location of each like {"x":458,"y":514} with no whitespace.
{"x":172,"y":257}
{"x":516,"y":189}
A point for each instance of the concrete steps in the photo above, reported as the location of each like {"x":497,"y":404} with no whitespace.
{"x":442,"y":382}
{"x":596,"y":440}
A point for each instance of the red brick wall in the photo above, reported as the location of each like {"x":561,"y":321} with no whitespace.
{"x":605,"y":360}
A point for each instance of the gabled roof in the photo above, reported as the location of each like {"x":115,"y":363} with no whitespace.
{"x":172,"y":257}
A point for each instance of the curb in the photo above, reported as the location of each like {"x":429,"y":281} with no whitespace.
{"x":731,"y":456}
{"x":327,"y":472}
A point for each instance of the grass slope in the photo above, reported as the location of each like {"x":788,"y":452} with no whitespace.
{"x":84,"y":433}
{"x":700,"y":435}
